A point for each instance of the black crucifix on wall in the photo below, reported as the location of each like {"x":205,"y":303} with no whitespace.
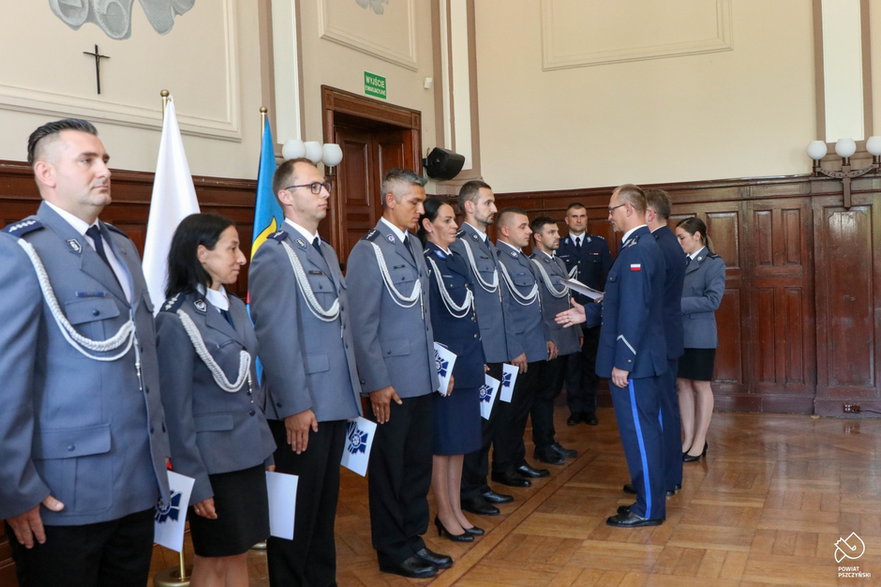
{"x":98,"y":57}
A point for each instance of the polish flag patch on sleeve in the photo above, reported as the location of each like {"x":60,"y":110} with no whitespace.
{"x":636,"y":266}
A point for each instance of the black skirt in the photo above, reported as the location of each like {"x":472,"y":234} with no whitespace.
{"x":697,"y":364}
{"x":242,"y":507}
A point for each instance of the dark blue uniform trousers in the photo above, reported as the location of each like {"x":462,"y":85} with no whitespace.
{"x":637,"y":409}
{"x":671,"y":422}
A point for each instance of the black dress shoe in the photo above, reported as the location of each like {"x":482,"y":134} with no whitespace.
{"x":631,"y":520}
{"x":573,"y":419}
{"x":493,"y":497}
{"x":415,"y":567}
{"x":629,"y":488}
{"x":623,"y":509}
{"x":670,"y":492}
{"x":566,"y":453}
{"x":511,"y":479}
{"x":475,"y":531}
{"x":528,"y":471}
{"x":441,"y":561}
{"x":548,"y":456}
{"x":687,"y":458}
{"x":677,"y":487}
{"x":442,"y":531}
{"x":591,"y":419}
{"x":480,"y":506}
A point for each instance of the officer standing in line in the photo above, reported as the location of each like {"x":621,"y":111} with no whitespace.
{"x":588,"y":260}
{"x":554,"y":299}
{"x":477,"y":203}
{"x":301,"y":315}
{"x":633,"y":355}
{"x":528,"y":341}
{"x":394,"y":349}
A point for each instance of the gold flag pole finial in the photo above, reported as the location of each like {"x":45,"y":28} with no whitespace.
{"x":166,"y":96}
{"x":263,"y":112}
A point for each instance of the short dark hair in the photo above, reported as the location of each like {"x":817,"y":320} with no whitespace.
{"x":508,"y":211}
{"x":431,"y":206}
{"x":397,"y":175}
{"x":575,"y":205}
{"x":285,"y":172}
{"x":633,"y":195}
{"x":659,"y":201}
{"x":537,"y":224}
{"x":185,"y":272}
{"x":50,"y":131}
{"x":469,"y":192}
{"x":693,"y":224}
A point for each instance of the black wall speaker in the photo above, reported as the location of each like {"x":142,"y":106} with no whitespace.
{"x":443,"y":164}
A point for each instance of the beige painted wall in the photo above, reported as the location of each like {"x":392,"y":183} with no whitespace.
{"x":45,"y":77}
{"x":744,"y":112}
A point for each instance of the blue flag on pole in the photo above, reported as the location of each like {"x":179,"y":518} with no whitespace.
{"x":267,"y":213}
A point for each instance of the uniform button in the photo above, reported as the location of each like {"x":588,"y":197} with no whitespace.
{"x":250,"y":392}
{"x":71,"y":447}
{"x":252,"y":412}
{"x":475,"y":336}
{"x":95,"y":312}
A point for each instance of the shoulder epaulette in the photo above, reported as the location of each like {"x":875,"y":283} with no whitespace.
{"x":173,"y":303}
{"x":371,"y":236}
{"x":22,"y":227}
{"x":278,"y":235}
{"x":598,"y":236}
{"x":712,"y":256}
{"x":114,"y":229}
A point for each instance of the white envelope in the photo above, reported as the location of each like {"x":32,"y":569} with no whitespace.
{"x":444,"y":359}
{"x":509,"y":379}
{"x":359,"y":440}
{"x":488,"y":392}
{"x":282,"y":490}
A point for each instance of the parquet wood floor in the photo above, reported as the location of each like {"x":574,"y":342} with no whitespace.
{"x":766,"y":507}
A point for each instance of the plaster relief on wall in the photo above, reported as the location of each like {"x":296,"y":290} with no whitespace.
{"x":114,"y":17}
{"x":378,"y":6}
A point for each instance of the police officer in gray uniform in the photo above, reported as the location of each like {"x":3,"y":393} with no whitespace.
{"x":394,"y":348}
{"x":477,"y":203}
{"x":528,"y":342}
{"x":301,"y":314}
{"x":84,"y":451}
{"x":551,"y":272}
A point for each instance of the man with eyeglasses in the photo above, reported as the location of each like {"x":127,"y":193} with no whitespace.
{"x":587,"y":259}
{"x":301,"y":316}
{"x":394,"y":346}
{"x":633,"y":355}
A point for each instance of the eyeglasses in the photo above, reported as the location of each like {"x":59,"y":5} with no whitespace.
{"x":314,"y":187}
{"x":613,"y":208}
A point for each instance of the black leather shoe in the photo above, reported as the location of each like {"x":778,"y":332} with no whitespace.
{"x":475,"y":531}
{"x":591,"y":419}
{"x":566,"y":453}
{"x":631,"y":520}
{"x":414,"y":567}
{"x":548,"y":455}
{"x":493,"y":497}
{"x":573,"y":419}
{"x":528,"y":471}
{"x":442,"y":531}
{"x":480,"y":506}
{"x":623,"y":509}
{"x":670,"y":492}
{"x":687,"y":458}
{"x":511,"y":479}
{"x":629,"y":488}
{"x":441,"y":561}
{"x":677,"y":487}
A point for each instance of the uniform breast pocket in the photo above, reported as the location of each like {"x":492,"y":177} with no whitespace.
{"x":75,"y":464}
{"x":403,"y":277}
{"x":89,"y":314}
{"x":322,"y":287}
{"x":523,"y":280}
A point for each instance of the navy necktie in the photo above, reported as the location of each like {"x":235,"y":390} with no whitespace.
{"x":687,"y":260}
{"x":96,"y":237}
{"x":578,"y":243}
{"x":316,"y":244}
{"x":407,"y":244}
{"x":228,"y":317}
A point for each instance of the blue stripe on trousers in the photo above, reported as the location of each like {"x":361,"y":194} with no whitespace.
{"x":641,"y":441}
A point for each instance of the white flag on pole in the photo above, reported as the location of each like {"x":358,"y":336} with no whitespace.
{"x":173,"y":199}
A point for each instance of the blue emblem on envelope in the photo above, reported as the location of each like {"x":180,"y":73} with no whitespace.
{"x":440,"y":364}
{"x":357,"y":439}
{"x":486,"y":393}
{"x":169,"y":509}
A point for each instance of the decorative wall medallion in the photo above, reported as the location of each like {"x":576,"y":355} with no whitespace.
{"x":114,"y":17}
{"x":378,"y":6}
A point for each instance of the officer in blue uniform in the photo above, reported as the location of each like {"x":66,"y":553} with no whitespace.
{"x":632,"y":354}
{"x":588,"y":260}
{"x":84,"y":451}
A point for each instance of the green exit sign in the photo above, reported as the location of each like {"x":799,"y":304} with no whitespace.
{"x":375,"y":85}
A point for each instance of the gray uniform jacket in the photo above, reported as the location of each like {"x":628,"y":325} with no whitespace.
{"x":211,"y":430}
{"x":524,"y":325}
{"x":394,"y":345}
{"x":566,"y":339}
{"x":86,"y":431}
{"x":490,"y":316}
{"x":702,"y":293}
{"x":308,"y":364}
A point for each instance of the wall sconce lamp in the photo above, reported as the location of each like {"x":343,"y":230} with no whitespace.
{"x":330,"y":153}
{"x":845,"y":148}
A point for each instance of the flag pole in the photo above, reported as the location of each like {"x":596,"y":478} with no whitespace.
{"x":165,"y":97}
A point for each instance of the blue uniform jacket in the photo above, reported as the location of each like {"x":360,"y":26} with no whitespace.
{"x":566,"y":339}
{"x":589,"y":266}
{"x":632,"y":333}
{"x":211,"y":430}
{"x":524,"y":324}
{"x":701,"y":295}
{"x":674,"y":259}
{"x":84,"y":430}
{"x":460,"y":335}
{"x":394,"y":344}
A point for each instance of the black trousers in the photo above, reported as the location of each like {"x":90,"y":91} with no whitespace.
{"x":549,"y":385}
{"x":510,"y":452}
{"x":107,"y":554}
{"x":581,"y":377}
{"x":310,"y":558}
{"x":671,"y":422}
{"x":475,"y":467}
{"x":398,"y":479}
